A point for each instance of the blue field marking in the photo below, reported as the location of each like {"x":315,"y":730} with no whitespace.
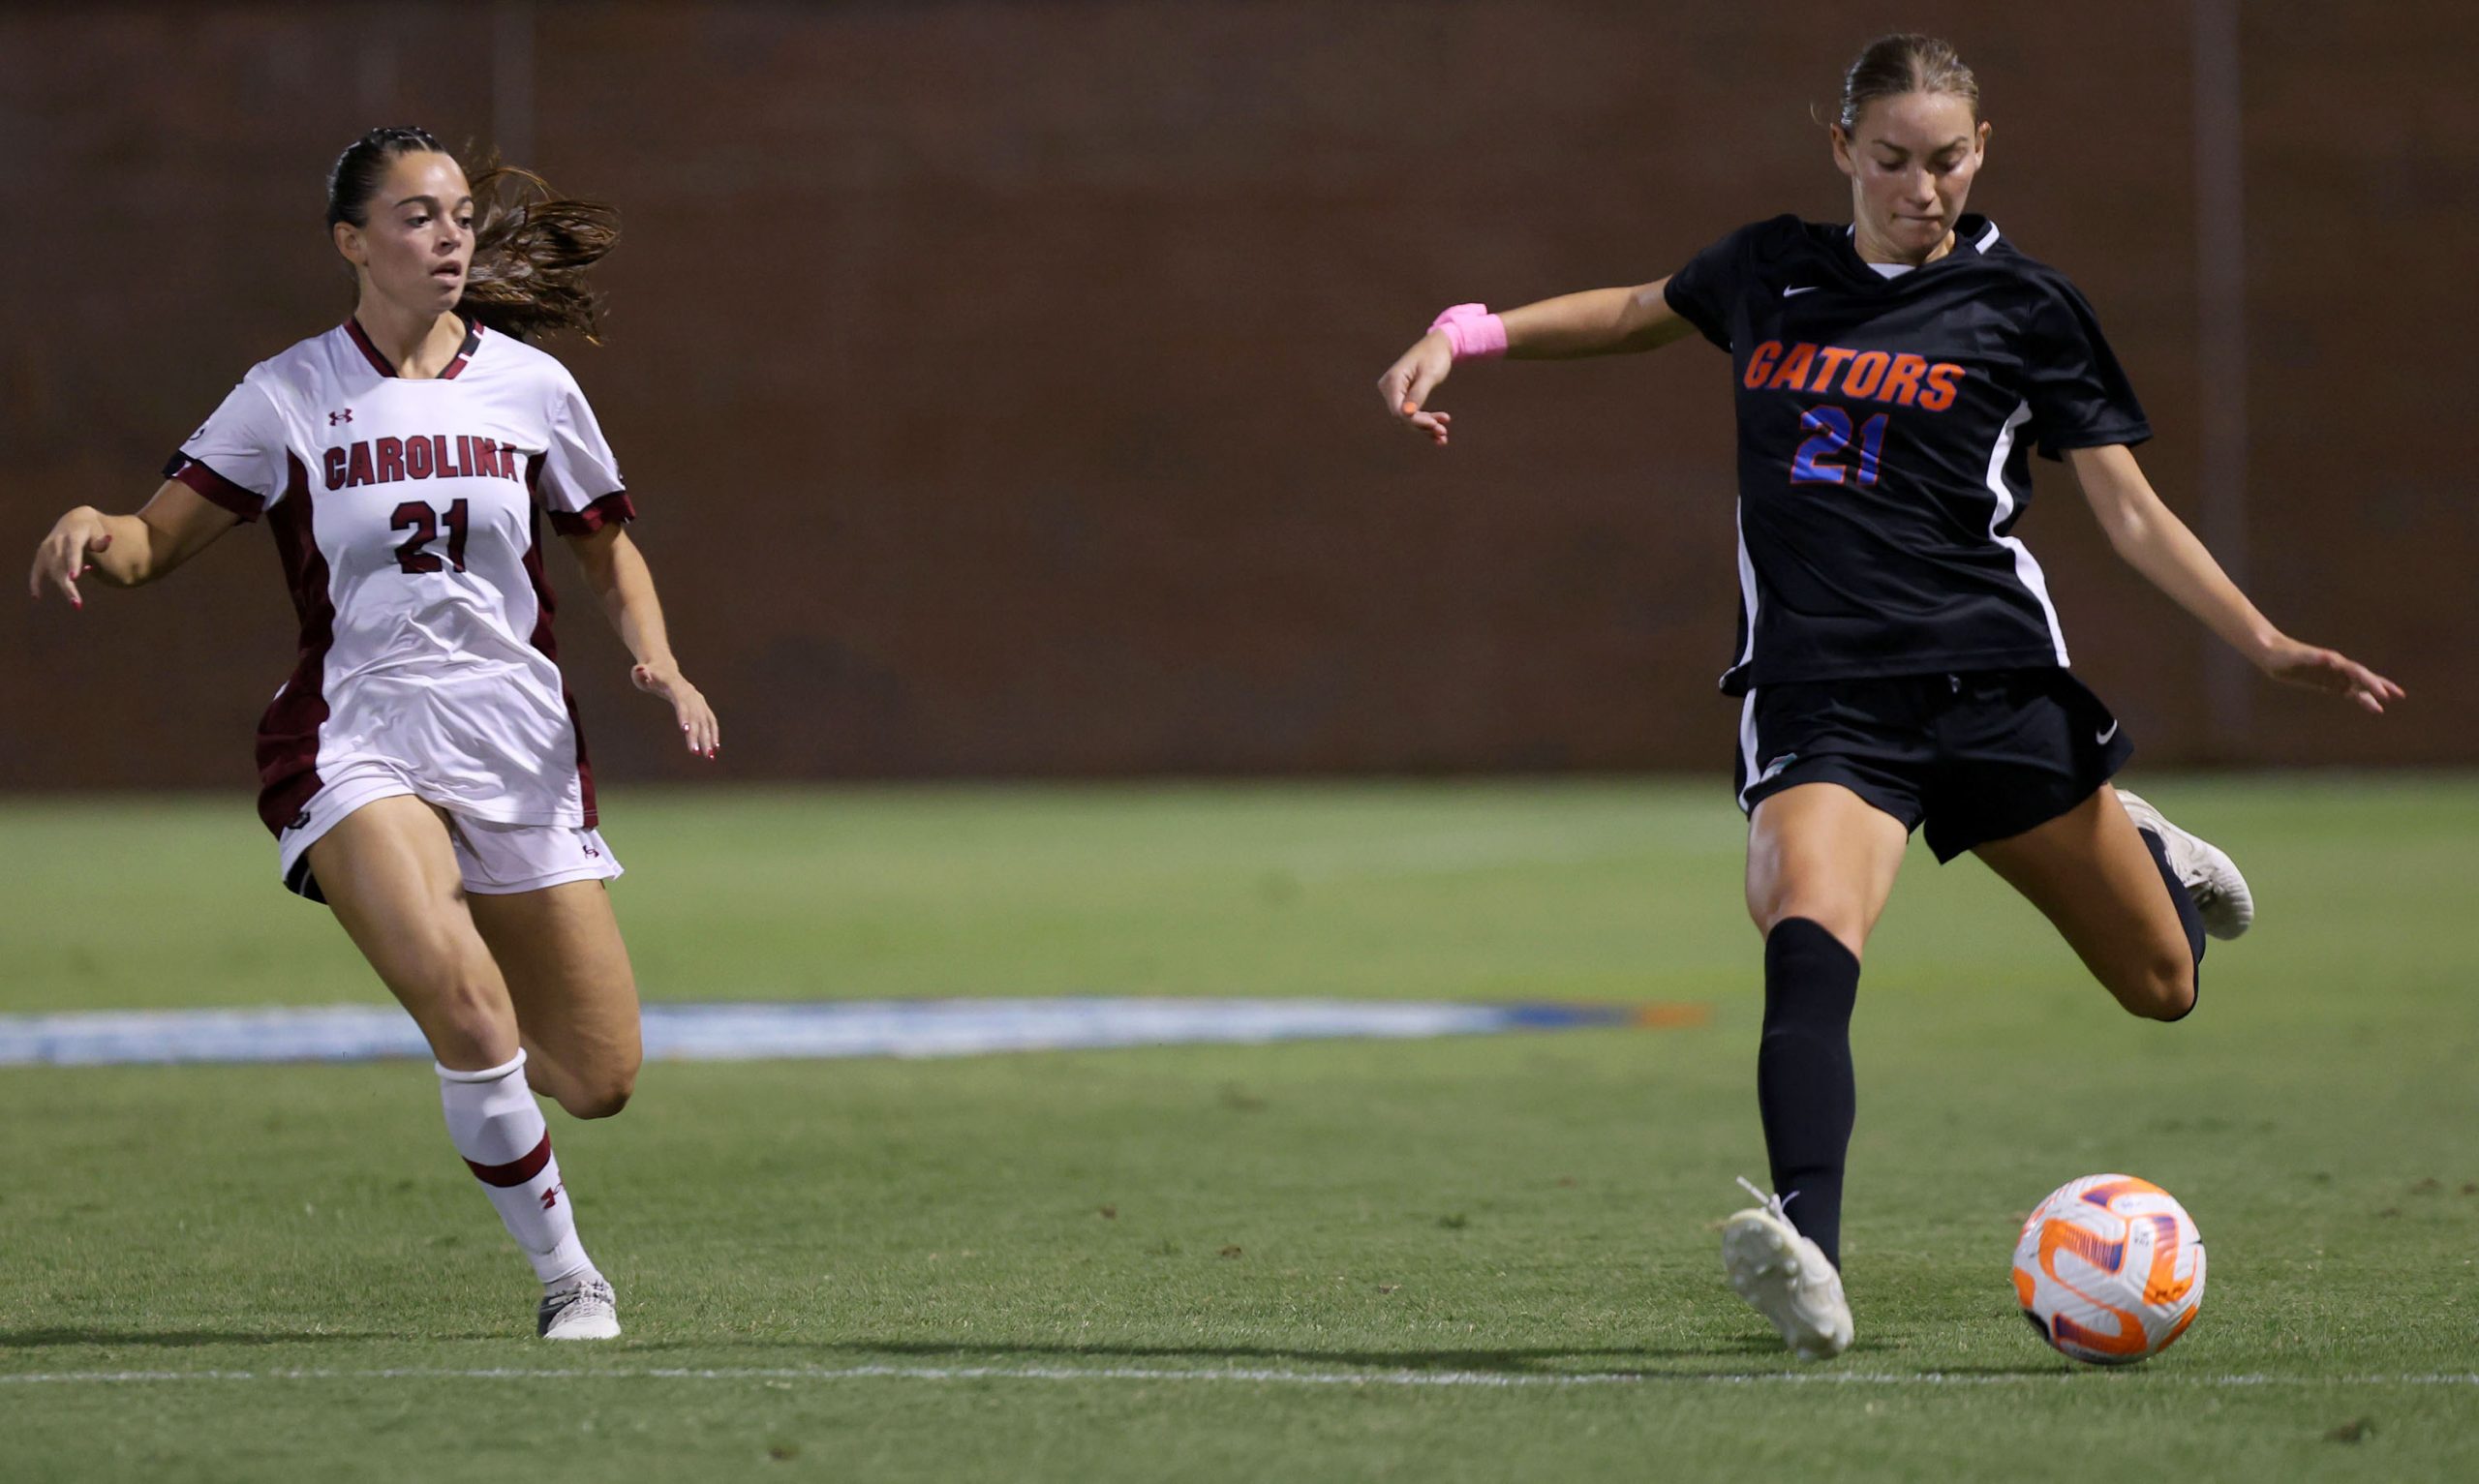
{"x":751,"y":1032}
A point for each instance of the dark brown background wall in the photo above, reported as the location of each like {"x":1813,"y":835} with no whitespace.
{"x":995,"y":379}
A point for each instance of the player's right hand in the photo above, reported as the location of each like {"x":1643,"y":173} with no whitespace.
{"x":1408,"y":383}
{"x":62,"y":558}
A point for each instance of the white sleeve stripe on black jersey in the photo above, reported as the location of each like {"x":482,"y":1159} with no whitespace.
{"x":2026,"y":567}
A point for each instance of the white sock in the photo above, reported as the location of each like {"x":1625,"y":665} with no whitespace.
{"x":496,"y":1126}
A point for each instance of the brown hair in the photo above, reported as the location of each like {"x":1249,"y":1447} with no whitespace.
{"x":532,"y":246}
{"x":1891,"y":66}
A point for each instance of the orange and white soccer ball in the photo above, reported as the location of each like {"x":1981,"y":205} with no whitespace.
{"x":2110,"y":1269}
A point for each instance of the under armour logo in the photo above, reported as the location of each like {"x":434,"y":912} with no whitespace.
{"x":550,"y":1197}
{"x":300,"y":821}
{"x":334,"y":418}
{"x":589,"y":850}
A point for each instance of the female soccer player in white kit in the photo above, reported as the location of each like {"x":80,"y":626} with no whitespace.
{"x":422,"y":768}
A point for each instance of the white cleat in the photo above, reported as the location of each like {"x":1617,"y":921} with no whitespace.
{"x":2202,"y":867}
{"x":582,"y":1311}
{"x":1786,"y":1277}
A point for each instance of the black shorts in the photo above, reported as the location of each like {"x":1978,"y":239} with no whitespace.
{"x":1974,"y":757}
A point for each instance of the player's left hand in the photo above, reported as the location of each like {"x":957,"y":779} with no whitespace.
{"x":1407,"y":383}
{"x":697,"y":724}
{"x":2329,"y":671}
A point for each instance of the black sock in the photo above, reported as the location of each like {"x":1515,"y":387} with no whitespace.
{"x":1803,"y":1078}
{"x":2189,"y":916}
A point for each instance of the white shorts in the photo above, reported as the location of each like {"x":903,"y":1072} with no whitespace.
{"x":496,"y":860}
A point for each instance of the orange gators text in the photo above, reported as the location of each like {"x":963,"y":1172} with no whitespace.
{"x":1874,"y":375}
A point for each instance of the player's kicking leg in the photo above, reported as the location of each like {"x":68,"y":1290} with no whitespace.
{"x":388,"y":871}
{"x":2131,"y":894}
{"x":2200,"y":868}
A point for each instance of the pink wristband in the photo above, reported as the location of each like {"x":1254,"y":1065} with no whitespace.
{"x":1476,"y":333}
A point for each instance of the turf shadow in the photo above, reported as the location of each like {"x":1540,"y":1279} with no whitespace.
{"x":1512,"y":1362}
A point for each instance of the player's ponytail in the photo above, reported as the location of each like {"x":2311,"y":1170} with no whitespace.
{"x":1891,"y":66}
{"x":532,"y":246}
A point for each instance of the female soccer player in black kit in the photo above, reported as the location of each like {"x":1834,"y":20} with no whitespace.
{"x":1900,"y":661}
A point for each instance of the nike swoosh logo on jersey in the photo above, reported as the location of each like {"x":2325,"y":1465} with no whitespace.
{"x":2103,"y":738}
{"x":1802,"y":289}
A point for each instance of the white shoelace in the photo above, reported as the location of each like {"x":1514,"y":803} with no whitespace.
{"x":1776,"y":1207}
{"x":586,"y":1296}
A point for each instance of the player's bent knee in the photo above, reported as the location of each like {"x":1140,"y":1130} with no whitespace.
{"x":2164,"y":991}
{"x":2178,"y":996}
{"x":600,"y":1097}
{"x":596,"y":1101}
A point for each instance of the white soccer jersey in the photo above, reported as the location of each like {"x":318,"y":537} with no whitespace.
{"x":408,"y":517}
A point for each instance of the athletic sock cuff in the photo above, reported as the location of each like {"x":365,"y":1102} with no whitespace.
{"x":1806,"y":942}
{"x":1810,"y":979}
{"x":513,"y":1064}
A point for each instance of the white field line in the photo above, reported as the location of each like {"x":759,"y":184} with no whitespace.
{"x":1276,"y":1378}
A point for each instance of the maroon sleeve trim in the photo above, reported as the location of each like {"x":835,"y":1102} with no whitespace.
{"x":214,"y":485}
{"x":611,"y":509}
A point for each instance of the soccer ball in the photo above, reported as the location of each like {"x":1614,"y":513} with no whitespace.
{"x":2110,"y":1269}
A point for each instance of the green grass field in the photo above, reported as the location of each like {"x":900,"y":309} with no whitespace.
{"x":1299,"y":1261}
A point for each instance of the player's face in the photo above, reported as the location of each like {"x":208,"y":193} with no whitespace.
{"x":1911,"y":159}
{"x":419,"y":241}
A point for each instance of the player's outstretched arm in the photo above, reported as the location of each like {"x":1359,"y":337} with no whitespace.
{"x":618,"y":571}
{"x":1599,"y":322}
{"x":2154,"y":543}
{"x":127,"y":551}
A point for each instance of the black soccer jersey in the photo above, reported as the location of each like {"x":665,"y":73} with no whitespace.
{"x":1885,"y":424}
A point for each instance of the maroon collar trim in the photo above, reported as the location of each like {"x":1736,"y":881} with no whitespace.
{"x":370,"y":352}
{"x":381,"y":364}
{"x":465,"y":351}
